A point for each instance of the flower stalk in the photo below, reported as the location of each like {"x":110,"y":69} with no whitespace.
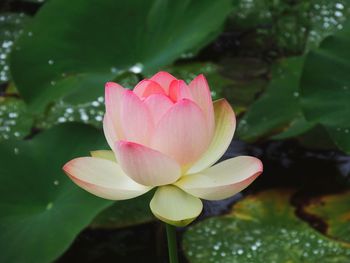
{"x":172,"y":245}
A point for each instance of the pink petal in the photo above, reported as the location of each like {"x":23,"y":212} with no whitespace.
{"x":163,"y":79}
{"x":113,"y":98}
{"x":147,"y":87}
{"x":225,"y":124}
{"x":200,"y":91}
{"x":109,"y":129}
{"x":103,"y":178}
{"x":179,"y":90}
{"x":136,"y":119}
{"x":158,"y":104}
{"x":222,"y":180}
{"x":146,"y":166}
{"x":182,"y":133}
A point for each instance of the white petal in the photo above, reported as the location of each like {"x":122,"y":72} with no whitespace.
{"x":222,"y":180}
{"x":103,"y":178}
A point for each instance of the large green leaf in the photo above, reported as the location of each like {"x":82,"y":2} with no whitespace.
{"x":248,"y":79}
{"x":261,"y":228}
{"x":15,"y":121}
{"x":89,"y":112}
{"x":284,"y":27}
{"x":278,"y":108}
{"x":41,"y":209}
{"x":76,"y":46}
{"x":11,"y":25}
{"x":334,"y":211}
{"x":325,"y":87}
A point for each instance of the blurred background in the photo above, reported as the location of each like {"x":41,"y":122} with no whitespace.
{"x":284,"y":65}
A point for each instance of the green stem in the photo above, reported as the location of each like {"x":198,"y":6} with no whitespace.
{"x":172,"y":246}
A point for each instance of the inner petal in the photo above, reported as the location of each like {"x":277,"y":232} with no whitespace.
{"x":182,"y":133}
{"x":178,"y":90}
{"x":158,"y":104}
{"x":146,"y":88}
{"x":136,"y":119}
{"x":163,"y":79}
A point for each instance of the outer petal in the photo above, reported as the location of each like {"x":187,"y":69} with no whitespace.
{"x":173,"y":206}
{"x":113,"y":99}
{"x":222,"y":180}
{"x":158,"y":104}
{"x":147,"y":87}
{"x":109,"y":129}
{"x":179,"y":90}
{"x":182,"y":133}
{"x":136,"y":119}
{"x":200,"y":91}
{"x":146,"y":166}
{"x":163,"y":79}
{"x":225,"y":124}
{"x":104,"y":154}
{"x":103,"y":178}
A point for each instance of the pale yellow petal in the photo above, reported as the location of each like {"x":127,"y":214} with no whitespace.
{"x":104,"y":154}
{"x":174,"y":206}
{"x":222,"y":180}
{"x":103,"y":178}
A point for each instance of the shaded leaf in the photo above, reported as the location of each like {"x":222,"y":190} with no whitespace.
{"x":278,"y":108}
{"x":325,"y":87}
{"x":92,"y":41}
{"x":41,"y":209}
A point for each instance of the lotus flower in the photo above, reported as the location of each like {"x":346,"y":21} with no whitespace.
{"x":165,"y":134}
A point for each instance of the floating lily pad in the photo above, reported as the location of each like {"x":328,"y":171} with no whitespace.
{"x":334,"y":210}
{"x":278,"y":108}
{"x":261,"y":228}
{"x":325,"y":87}
{"x":91,"y":42}
{"x":41,"y":209}
{"x":15,"y":120}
